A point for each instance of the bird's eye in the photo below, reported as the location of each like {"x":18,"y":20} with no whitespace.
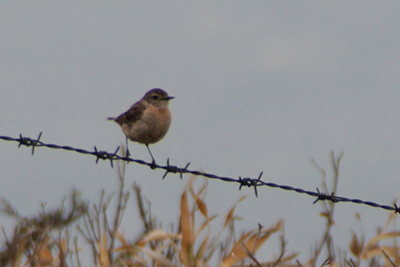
{"x":155,"y":97}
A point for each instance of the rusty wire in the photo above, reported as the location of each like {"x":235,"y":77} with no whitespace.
{"x":243,"y":182}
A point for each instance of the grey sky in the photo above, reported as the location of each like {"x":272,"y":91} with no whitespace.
{"x":259,"y":86}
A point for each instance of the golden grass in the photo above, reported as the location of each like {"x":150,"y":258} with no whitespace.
{"x":194,"y":241}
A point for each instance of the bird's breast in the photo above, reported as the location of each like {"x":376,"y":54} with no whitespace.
{"x":150,"y":128}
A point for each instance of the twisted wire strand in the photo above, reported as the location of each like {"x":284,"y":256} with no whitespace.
{"x":243,"y":182}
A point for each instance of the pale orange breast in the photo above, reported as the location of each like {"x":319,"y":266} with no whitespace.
{"x":151,"y":128}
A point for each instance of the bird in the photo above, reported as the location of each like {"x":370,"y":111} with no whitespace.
{"x":147,"y":121}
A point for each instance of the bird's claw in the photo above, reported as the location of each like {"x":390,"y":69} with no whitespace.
{"x":153,"y":165}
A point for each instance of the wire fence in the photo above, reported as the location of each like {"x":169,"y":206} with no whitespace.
{"x":242,"y":181}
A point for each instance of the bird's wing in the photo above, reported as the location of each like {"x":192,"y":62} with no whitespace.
{"x":133,"y":114}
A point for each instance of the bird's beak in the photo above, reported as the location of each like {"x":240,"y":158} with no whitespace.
{"x":168,"y":98}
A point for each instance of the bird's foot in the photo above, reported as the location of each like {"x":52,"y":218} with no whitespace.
{"x":153,"y":165}
{"x":128,"y":154}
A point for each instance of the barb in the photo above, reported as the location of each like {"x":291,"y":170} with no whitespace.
{"x":243,"y":182}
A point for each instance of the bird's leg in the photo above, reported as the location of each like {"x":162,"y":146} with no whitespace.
{"x":153,"y":163}
{"x":127,"y":148}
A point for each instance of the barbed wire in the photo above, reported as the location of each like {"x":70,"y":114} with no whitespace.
{"x":243,"y":182}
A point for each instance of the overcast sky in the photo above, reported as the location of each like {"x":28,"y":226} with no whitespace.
{"x":259,"y":86}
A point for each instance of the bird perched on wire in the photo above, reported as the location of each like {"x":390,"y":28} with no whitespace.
{"x":147,"y":121}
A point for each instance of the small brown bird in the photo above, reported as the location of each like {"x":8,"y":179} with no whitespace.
{"x":147,"y":121}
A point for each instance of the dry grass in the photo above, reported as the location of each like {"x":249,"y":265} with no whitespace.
{"x":51,"y":239}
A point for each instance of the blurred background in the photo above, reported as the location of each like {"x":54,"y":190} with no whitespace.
{"x":259,"y":86}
